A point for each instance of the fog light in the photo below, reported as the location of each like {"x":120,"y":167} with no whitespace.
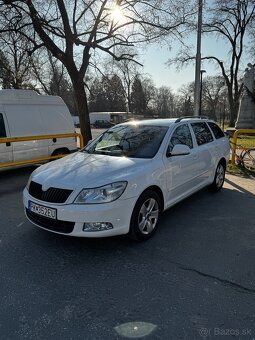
{"x":98,"y":226}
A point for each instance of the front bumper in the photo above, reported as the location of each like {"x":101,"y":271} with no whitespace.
{"x":71,"y":217}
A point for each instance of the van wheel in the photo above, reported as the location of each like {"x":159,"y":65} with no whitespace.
{"x":145,"y":216}
{"x":219,"y":178}
{"x":58,"y":152}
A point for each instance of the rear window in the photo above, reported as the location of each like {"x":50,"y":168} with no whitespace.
{"x":218,"y":133}
{"x":202,"y":133}
{"x":2,"y":127}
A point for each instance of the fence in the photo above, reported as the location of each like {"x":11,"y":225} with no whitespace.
{"x":234,"y":140}
{"x":32,"y":138}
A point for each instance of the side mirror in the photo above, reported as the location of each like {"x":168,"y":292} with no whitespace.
{"x":179,"y":150}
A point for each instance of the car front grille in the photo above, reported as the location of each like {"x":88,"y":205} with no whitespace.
{"x":64,"y":227}
{"x":52,"y":195}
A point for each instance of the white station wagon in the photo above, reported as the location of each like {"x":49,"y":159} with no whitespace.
{"x":122,"y":180}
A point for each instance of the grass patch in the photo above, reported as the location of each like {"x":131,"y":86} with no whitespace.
{"x":247,"y":141}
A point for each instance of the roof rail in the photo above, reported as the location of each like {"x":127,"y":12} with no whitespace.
{"x":190,"y":117}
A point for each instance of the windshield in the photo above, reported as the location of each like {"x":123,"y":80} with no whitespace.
{"x":134,"y":141}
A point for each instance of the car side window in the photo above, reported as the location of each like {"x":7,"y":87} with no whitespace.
{"x":218,"y":133}
{"x":2,"y":127}
{"x":181,"y":135}
{"x":202,"y":133}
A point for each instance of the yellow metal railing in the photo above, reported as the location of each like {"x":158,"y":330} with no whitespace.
{"x":32,"y":138}
{"x":236,"y":134}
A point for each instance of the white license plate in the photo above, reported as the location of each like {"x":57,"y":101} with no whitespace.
{"x":43,"y":211}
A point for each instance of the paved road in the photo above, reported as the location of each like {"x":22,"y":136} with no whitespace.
{"x":197,"y":275}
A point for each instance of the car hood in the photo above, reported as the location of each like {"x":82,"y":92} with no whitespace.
{"x":82,"y":170}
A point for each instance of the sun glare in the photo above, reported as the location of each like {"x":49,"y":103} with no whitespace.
{"x":117,"y":15}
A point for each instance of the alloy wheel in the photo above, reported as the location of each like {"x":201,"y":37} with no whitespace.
{"x":148,"y":216}
{"x":220,"y":173}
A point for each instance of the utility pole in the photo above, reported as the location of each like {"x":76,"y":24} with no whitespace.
{"x":198,"y":58}
{"x":201,"y":90}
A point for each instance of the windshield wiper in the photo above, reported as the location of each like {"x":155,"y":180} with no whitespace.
{"x":87,"y":151}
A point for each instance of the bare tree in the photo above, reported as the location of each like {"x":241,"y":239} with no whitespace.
{"x":15,"y":60}
{"x":229,"y":20}
{"x":127,"y":71}
{"x":213,"y":93}
{"x":164,"y":100}
{"x":149,"y":91}
{"x":74,"y":30}
{"x":184,"y":101}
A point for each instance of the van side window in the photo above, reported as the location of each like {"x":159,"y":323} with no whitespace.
{"x":2,"y":127}
{"x":202,"y":133}
{"x":181,"y":135}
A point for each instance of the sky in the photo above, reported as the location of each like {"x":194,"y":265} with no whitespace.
{"x":155,"y":57}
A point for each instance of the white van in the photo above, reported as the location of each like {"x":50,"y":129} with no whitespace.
{"x":26,"y":113}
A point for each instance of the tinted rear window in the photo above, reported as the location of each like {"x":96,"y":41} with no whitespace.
{"x":202,"y":133}
{"x":218,"y":133}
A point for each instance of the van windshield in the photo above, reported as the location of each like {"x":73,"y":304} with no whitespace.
{"x":134,"y":141}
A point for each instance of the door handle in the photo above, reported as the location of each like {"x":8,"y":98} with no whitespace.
{"x":195,"y":156}
{"x":54,"y":140}
{"x":8,"y":144}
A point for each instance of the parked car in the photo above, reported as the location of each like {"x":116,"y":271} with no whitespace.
{"x":25,"y":113}
{"x":102,"y":124}
{"x":122,"y":181}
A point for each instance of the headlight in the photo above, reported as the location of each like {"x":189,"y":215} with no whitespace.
{"x":105,"y":194}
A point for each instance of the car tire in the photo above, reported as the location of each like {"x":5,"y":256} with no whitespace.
{"x":145,"y":216}
{"x":219,"y":177}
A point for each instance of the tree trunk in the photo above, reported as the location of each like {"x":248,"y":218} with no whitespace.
{"x":233,"y":106}
{"x":83,"y":112}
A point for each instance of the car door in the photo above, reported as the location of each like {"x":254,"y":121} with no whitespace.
{"x":6,"y":155}
{"x":181,"y":171}
{"x":205,"y":145}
